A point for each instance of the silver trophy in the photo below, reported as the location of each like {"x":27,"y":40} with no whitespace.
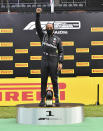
{"x":49,"y":97}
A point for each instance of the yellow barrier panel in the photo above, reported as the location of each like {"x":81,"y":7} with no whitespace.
{"x":71,"y":90}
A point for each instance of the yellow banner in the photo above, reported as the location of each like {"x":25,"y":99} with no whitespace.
{"x":21,"y":64}
{"x":71,"y":90}
{"x":21,"y":51}
{"x":97,"y":70}
{"x":96,"y":56}
{"x":67,"y":71}
{"x":96,"y":43}
{"x":35,"y":43}
{"x":68,"y":57}
{"x":6,"y":30}
{"x":35,"y":72}
{"x":82,"y":64}
{"x":27,"y":90}
{"x":67,"y":43}
{"x":6,"y":58}
{"x":96,"y":29}
{"x":82,"y":50}
{"x":6,"y":44}
{"x":5,"y":72}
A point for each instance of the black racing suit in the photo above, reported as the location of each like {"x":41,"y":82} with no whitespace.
{"x":52,"y":53}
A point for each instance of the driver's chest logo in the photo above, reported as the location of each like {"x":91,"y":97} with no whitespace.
{"x":54,"y":41}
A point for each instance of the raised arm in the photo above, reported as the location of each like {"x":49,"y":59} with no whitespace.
{"x":38,"y":24}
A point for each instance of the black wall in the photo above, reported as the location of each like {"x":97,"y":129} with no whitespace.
{"x":81,"y":37}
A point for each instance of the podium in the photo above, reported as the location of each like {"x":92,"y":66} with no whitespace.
{"x":66,"y":113}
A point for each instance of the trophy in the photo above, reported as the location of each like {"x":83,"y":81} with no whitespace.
{"x":49,"y":97}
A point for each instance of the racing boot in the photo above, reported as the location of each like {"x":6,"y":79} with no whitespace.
{"x":42,"y":102}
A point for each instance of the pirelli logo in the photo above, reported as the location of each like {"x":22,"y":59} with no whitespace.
{"x":96,"y":29}
{"x":68,"y":43}
{"x":21,"y":51}
{"x":94,"y":57}
{"x":96,"y":43}
{"x":6,"y":72}
{"x":68,"y":57}
{"x":82,"y":64}
{"x":6,"y":58}
{"x":21,"y":64}
{"x":35,"y":43}
{"x":67,"y":71}
{"x":6,"y":30}
{"x":97,"y":70}
{"x":35,"y":57}
{"x":6,"y":44}
{"x":35,"y":72}
{"x":82,"y":50}
{"x":20,"y":92}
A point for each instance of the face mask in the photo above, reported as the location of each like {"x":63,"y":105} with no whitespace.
{"x":49,"y":32}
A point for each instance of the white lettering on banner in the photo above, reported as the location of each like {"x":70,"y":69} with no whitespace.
{"x":61,"y":32}
{"x":59,"y":25}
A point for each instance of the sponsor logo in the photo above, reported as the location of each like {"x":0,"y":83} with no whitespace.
{"x":67,"y":43}
{"x":68,"y":57}
{"x":67,"y":71}
{"x":49,"y":119}
{"x":97,"y":70}
{"x":6,"y":30}
{"x":21,"y":64}
{"x":44,"y":43}
{"x":97,"y":57}
{"x":82,"y":64}
{"x":20,"y":51}
{"x":35,"y":43}
{"x":82,"y":50}
{"x":6,"y":72}
{"x":35,"y":72}
{"x":6,"y":44}
{"x":15,"y":92}
{"x":35,"y":57}
{"x":96,"y":29}
{"x":6,"y":58}
{"x":96,"y":43}
{"x":58,"y":25}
